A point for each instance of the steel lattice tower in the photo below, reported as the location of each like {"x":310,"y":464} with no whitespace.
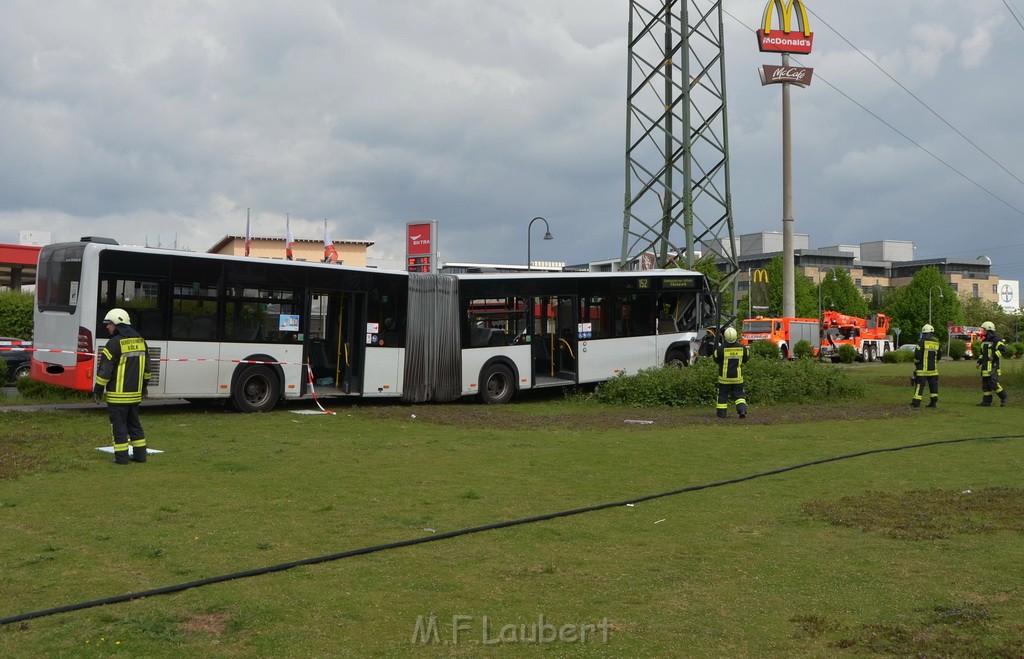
{"x":677,"y":148}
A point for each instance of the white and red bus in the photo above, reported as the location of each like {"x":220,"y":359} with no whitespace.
{"x":255,"y":331}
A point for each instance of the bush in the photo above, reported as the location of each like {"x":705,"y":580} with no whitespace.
{"x":1018,"y":349}
{"x":898,"y":357}
{"x":803,"y":349}
{"x":847,"y":354}
{"x":42,"y":391}
{"x":3,"y":371}
{"x":16,"y":314}
{"x":768,"y":382}
{"x":765,"y":350}
{"x":957,"y":350}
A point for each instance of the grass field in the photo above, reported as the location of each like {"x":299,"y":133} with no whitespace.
{"x":909,"y":552}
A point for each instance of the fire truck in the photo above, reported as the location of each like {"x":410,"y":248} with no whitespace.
{"x":870,"y":336}
{"x":967,"y":334}
{"x":783,"y":332}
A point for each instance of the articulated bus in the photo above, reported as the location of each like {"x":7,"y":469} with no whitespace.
{"x":256,"y":331}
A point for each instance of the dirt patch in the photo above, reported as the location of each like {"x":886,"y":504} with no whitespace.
{"x":210,"y":624}
{"x":925,"y":514}
{"x":609,"y":418}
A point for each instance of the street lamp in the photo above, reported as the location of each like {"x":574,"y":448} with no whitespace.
{"x":547,"y":236}
{"x":820,"y":270}
{"x":930,"y":301}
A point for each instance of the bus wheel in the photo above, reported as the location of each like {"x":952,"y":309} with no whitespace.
{"x":256,"y":390}
{"x":676,"y":359}
{"x":496,"y":385}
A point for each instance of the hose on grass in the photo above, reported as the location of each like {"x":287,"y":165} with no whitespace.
{"x":177,"y":588}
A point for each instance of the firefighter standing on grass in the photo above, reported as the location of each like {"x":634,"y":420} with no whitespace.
{"x":926,"y":365}
{"x":122,"y":376}
{"x":730,"y":357}
{"x":991,"y":347}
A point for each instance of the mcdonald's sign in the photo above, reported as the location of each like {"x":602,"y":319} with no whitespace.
{"x":760,"y":275}
{"x":785,"y":40}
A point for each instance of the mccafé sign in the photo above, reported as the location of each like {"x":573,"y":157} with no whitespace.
{"x":776,"y":75}
{"x":784,"y":39}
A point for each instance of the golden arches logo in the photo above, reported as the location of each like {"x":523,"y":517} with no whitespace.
{"x":788,"y":41}
{"x":760,"y":275}
{"x":784,"y":9}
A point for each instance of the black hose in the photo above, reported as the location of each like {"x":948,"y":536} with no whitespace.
{"x":454,"y":534}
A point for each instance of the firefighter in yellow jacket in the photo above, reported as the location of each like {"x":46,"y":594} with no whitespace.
{"x":122,"y":376}
{"x":991,"y":348}
{"x":730,"y":357}
{"x":926,"y":368}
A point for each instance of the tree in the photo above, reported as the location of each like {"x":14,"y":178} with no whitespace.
{"x":976,"y":311}
{"x":839,"y":293}
{"x":805,"y":292}
{"x":907,"y":307}
{"x":706,"y":265}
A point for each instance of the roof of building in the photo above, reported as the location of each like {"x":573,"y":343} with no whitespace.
{"x":227,"y":239}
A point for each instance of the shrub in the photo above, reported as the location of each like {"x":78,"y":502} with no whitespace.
{"x":35,"y":389}
{"x":803,"y":349}
{"x":16,"y":314}
{"x":3,"y":371}
{"x":847,"y":354}
{"x":1018,"y":349}
{"x":898,"y":357}
{"x":768,"y":382}
{"x":765,"y":350}
{"x":957,"y":349}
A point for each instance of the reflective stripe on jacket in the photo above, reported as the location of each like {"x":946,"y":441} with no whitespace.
{"x":123,"y":367}
{"x":927,"y":357}
{"x":730,"y":359}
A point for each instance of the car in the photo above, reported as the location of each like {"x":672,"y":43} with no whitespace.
{"x":18,"y":359}
{"x":908,"y":347}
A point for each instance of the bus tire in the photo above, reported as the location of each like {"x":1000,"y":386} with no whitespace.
{"x":677,"y":359}
{"x":256,"y":389}
{"x":496,"y":384}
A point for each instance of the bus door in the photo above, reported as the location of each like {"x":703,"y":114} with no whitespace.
{"x":334,"y":350}
{"x":554,"y":338}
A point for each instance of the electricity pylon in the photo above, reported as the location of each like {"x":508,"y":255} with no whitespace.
{"x":677,"y":197}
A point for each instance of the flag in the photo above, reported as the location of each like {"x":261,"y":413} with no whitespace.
{"x":289,"y":242}
{"x":330,"y":254}
{"x":248,"y":233}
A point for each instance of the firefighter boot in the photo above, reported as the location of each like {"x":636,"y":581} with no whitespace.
{"x":1002,"y":398}
{"x":933,"y":403}
{"x":986,"y":401}
{"x":121,"y":457}
{"x":138,"y":450}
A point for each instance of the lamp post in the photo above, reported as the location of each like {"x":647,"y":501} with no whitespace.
{"x":547,"y":236}
{"x":820,"y":282}
{"x":930,"y":301}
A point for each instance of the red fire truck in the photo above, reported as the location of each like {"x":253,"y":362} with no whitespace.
{"x":870,"y":336}
{"x":783,"y":332}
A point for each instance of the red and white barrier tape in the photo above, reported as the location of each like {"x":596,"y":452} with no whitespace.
{"x":312,"y":390}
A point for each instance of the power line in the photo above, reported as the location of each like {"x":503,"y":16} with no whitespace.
{"x":917,"y":98}
{"x":907,"y":137}
{"x":1014,"y":12}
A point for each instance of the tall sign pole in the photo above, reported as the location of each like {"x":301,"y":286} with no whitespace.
{"x":786,"y":41}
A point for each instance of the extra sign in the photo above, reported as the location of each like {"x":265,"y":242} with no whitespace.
{"x":785,"y":40}
{"x":797,"y":75}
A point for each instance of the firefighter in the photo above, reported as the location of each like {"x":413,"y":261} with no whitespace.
{"x":730,"y":357}
{"x":991,"y":348}
{"x":926,"y":368}
{"x":122,"y":376}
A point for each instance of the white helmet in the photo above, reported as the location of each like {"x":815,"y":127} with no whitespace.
{"x":117,"y":316}
{"x":988,"y":326}
{"x":730,"y":334}
{"x":927,"y":329}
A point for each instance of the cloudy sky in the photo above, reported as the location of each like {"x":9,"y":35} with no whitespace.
{"x":163,"y":122}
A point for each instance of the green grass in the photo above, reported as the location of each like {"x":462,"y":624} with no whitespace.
{"x":882,"y":554}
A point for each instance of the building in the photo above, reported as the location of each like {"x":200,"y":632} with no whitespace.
{"x":878,"y":265}
{"x":350,"y":252}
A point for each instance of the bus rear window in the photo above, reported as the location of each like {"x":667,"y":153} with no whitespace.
{"x":759,"y":326}
{"x":59,"y":277}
